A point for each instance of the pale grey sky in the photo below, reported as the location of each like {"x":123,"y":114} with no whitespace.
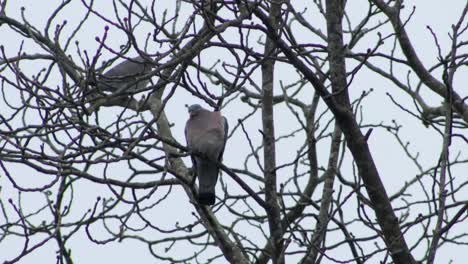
{"x":393,"y":167}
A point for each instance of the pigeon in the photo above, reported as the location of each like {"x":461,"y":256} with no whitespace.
{"x":206,"y":134}
{"x":125,"y":74}
{"x":121,"y":81}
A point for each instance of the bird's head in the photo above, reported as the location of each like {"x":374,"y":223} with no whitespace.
{"x":194,"y":109}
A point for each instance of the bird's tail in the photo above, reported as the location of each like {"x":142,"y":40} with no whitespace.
{"x":206,"y":198}
{"x":207,"y":177}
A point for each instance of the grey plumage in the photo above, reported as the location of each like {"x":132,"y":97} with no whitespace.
{"x":206,"y":134}
{"x":127,"y":73}
{"x":121,"y":81}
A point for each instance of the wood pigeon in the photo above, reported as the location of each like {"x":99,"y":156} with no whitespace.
{"x":124,"y":79}
{"x":125,"y":74}
{"x":206,"y":134}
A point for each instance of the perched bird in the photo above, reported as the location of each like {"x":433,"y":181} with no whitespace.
{"x":124,"y":79}
{"x":206,"y":134}
{"x":126,"y":74}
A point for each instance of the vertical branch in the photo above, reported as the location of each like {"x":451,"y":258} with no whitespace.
{"x":63,"y":253}
{"x":336,"y":54}
{"x":327,"y":198}
{"x":444,"y":166}
{"x":336,"y":51}
{"x":269,"y":152}
{"x":357,"y":144}
{"x":297,"y":210}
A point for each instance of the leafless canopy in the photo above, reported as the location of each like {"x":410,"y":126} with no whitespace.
{"x":322,"y":97}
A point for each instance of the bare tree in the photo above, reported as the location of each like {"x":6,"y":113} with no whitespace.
{"x":86,"y":149}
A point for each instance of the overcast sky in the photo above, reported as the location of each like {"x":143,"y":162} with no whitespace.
{"x":394,"y":168}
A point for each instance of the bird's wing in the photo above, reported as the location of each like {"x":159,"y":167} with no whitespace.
{"x":130,"y":67}
{"x":226,"y":130}
{"x":192,"y":157}
{"x":125,"y":73}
